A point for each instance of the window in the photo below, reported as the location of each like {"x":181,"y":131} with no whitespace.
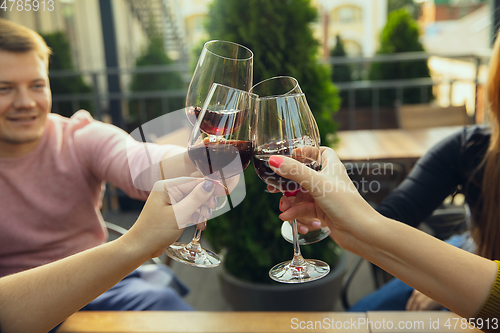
{"x":347,"y":14}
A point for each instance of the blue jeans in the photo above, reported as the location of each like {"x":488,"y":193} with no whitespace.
{"x":394,"y":295}
{"x":154,"y":288}
{"x":133,"y":293}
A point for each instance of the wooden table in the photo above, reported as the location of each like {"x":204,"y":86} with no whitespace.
{"x":389,"y":145}
{"x":269,"y":322}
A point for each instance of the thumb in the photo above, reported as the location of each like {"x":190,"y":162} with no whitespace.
{"x":184,"y":209}
{"x":332,"y":177}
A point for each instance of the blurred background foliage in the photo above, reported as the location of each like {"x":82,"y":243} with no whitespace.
{"x":62,"y":59}
{"x":401,"y":34}
{"x":154,"y":55}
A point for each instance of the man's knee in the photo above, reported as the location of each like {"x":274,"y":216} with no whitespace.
{"x":164,"y":299}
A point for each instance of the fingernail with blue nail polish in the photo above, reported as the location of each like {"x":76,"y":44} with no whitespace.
{"x":208,"y":186}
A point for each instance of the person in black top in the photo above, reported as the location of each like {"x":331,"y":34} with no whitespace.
{"x":450,"y":164}
{"x":471,"y":159}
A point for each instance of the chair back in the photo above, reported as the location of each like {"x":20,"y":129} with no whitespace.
{"x":426,"y":115}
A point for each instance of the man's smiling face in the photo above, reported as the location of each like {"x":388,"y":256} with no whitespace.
{"x":25,"y":101}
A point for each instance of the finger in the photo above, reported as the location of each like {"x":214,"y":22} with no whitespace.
{"x":328,"y":157}
{"x":302,"y":229}
{"x":332,"y":177}
{"x":285,"y":204}
{"x":292,"y":169}
{"x":306,"y":210}
{"x":199,"y":216}
{"x":220,"y":190}
{"x":187,"y":206}
{"x":272,"y":189}
{"x":303,"y":196}
{"x":177,"y":188}
{"x":232,"y":182}
{"x":306,"y":151}
{"x":308,"y":224}
{"x":203,"y":211}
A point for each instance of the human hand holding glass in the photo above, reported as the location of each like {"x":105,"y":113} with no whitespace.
{"x":289,"y":129}
{"x":281,"y":86}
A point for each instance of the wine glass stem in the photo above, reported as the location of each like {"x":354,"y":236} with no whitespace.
{"x":194,"y":247}
{"x":297,"y":260}
{"x":197,"y":233}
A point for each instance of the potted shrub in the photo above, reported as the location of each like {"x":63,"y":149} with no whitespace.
{"x":279,"y":34}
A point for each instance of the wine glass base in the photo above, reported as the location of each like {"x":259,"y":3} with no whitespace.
{"x":194,"y":257}
{"x":311,"y":237}
{"x":310,"y":270}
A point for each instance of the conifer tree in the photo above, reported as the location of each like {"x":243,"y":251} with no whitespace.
{"x":154,"y":54}
{"x":61,"y":59}
{"x":400,"y":34}
{"x":341,"y":72}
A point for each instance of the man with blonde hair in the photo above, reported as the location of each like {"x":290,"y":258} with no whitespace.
{"x":51,"y":173}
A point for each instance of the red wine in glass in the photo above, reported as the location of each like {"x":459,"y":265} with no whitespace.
{"x":261,"y":163}
{"x":210,"y":158}
{"x":287,"y":186}
{"x":218,"y":123}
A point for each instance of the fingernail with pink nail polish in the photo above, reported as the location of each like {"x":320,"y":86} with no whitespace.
{"x":275,"y":161}
{"x":316,"y":224}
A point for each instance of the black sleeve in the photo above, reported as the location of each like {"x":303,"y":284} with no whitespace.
{"x":435,"y":176}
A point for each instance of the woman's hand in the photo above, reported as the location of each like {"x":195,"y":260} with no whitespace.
{"x":305,"y":224}
{"x":172,"y":205}
{"x":332,"y":198}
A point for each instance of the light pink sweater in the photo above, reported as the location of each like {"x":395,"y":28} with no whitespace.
{"x":50,"y":198}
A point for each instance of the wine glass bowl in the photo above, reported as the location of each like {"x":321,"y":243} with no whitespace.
{"x":292,"y":148}
{"x":221,"y":142}
{"x":277,"y":86}
{"x":281,"y":86}
{"x":223,"y":62}
{"x":220,"y":147}
{"x":313,"y":236}
{"x":289,"y":129}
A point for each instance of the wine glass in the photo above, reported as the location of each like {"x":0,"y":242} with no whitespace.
{"x":289,"y":129}
{"x":277,"y":86}
{"x":280,"y":86}
{"x":220,"y":147}
{"x":221,"y":62}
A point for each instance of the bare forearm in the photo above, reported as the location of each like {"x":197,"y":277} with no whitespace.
{"x":49,"y":294}
{"x":455,"y":278}
{"x":458,"y":280}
